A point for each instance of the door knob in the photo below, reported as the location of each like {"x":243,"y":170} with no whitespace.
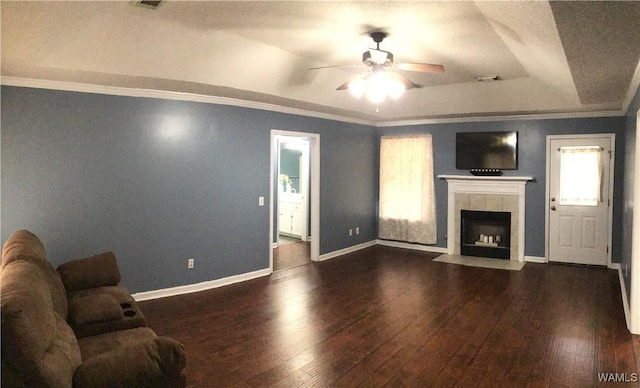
{"x":553,"y":208}
{"x":553,"y":199}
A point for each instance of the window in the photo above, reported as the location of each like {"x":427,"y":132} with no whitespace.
{"x":407,"y":194}
{"x":580,"y":176}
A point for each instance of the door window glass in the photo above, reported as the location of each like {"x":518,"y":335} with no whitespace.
{"x":580,"y":176}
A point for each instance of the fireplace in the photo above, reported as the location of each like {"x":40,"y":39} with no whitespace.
{"x":485,"y":234}
{"x":487,"y":194}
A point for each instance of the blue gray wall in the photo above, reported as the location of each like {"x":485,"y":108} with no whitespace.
{"x":531,"y":162}
{"x":629,"y":173}
{"x":89,"y":173}
{"x":159,"y":181}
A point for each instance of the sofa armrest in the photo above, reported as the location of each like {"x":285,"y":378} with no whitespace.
{"x":95,"y":271}
{"x":159,"y":362}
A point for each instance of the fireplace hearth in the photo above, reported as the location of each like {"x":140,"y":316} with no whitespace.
{"x":485,"y":234}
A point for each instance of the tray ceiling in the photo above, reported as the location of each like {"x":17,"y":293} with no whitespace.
{"x":552,"y":57}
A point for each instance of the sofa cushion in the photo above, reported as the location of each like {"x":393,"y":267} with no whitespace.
{"x":132,"y":315}
{"x":56,"y":288}
{"x":149,"y":363}
{"x":95,"y":271}
{"x":24,"y":245}
{"x":94,"y":309}
{"x":119,"y":293}
{"x":38,"y":346}
{"x":103,"y":343}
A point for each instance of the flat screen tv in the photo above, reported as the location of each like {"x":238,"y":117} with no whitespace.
{"x":487,"y":150}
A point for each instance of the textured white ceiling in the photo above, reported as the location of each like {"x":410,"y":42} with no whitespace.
{"x":559,"y":57}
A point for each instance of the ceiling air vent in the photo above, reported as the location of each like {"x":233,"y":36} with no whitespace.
{"x":152,"y":4}
{"x":488,"y":78}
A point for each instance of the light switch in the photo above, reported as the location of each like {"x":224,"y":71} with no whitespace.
{"x":260,"y":201}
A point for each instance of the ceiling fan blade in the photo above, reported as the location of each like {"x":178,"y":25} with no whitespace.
{"x":334,"y":67}
{"x":421,"y":67}
{"x":344,"y":86}
{"x":408,"y":84}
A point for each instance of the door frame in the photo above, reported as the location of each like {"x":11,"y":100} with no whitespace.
{"x":314,"y":181}
{"x":612,"y":139}
{"x":633,"y":318}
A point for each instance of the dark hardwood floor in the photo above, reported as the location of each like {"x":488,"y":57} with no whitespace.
{"x":291,"y":255}
{"x":391,"y":317}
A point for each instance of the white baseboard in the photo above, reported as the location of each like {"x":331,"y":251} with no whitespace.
{"x":625,"y":300}
{"x":203,"y":286}
{"x":535,"y":259}
{"x":344,"y":251}
{"x":416,"y":247}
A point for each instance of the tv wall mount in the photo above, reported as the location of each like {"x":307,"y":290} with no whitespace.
{"x":485,"y":172}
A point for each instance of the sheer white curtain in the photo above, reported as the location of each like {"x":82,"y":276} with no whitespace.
{"x":407,"y":194}
{"x":580,"y":176}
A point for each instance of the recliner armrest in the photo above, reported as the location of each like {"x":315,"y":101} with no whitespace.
{"x":95,"y":271}
{"x":159,"y":362}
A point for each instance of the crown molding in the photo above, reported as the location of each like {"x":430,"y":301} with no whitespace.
{"x":169,"y":95}
{"x":633,"y":89}
{"x":472,"y":119}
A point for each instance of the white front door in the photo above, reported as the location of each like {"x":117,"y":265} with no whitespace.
{"x":579,"y":199}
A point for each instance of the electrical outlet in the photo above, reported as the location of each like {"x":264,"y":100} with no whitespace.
{"x":350,"y":232}
{"x":357,"y":230}
{"x":190,"y":263}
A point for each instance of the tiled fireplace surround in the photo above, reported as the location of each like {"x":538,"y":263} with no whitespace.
{"x":500,"y":194}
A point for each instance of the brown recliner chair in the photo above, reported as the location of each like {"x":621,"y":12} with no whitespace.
{"x":97,"y":304}
{"x":40,"y":349}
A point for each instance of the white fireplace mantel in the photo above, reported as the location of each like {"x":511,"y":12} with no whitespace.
{"x":486,"y":185}
{"x":486,"y":178}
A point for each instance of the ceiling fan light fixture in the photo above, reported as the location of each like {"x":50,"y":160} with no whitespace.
{"x":357,"y":87}
{"x":377,"y":87}
{"x":379,"y":57}
{"x":396,"y":89}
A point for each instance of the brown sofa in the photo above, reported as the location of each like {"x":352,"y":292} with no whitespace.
{"x":112,"y":347}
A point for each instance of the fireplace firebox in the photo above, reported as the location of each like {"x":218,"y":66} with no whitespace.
{"x":485,"y":234}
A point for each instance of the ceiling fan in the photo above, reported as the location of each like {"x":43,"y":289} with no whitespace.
{"x":380,"y":80}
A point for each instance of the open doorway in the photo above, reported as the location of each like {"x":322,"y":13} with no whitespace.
{"x":294,"y":200}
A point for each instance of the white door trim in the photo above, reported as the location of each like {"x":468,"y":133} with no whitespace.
{"x":315,"y":188}
{"x":612,"y":139}
{"x":634,"y":300}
